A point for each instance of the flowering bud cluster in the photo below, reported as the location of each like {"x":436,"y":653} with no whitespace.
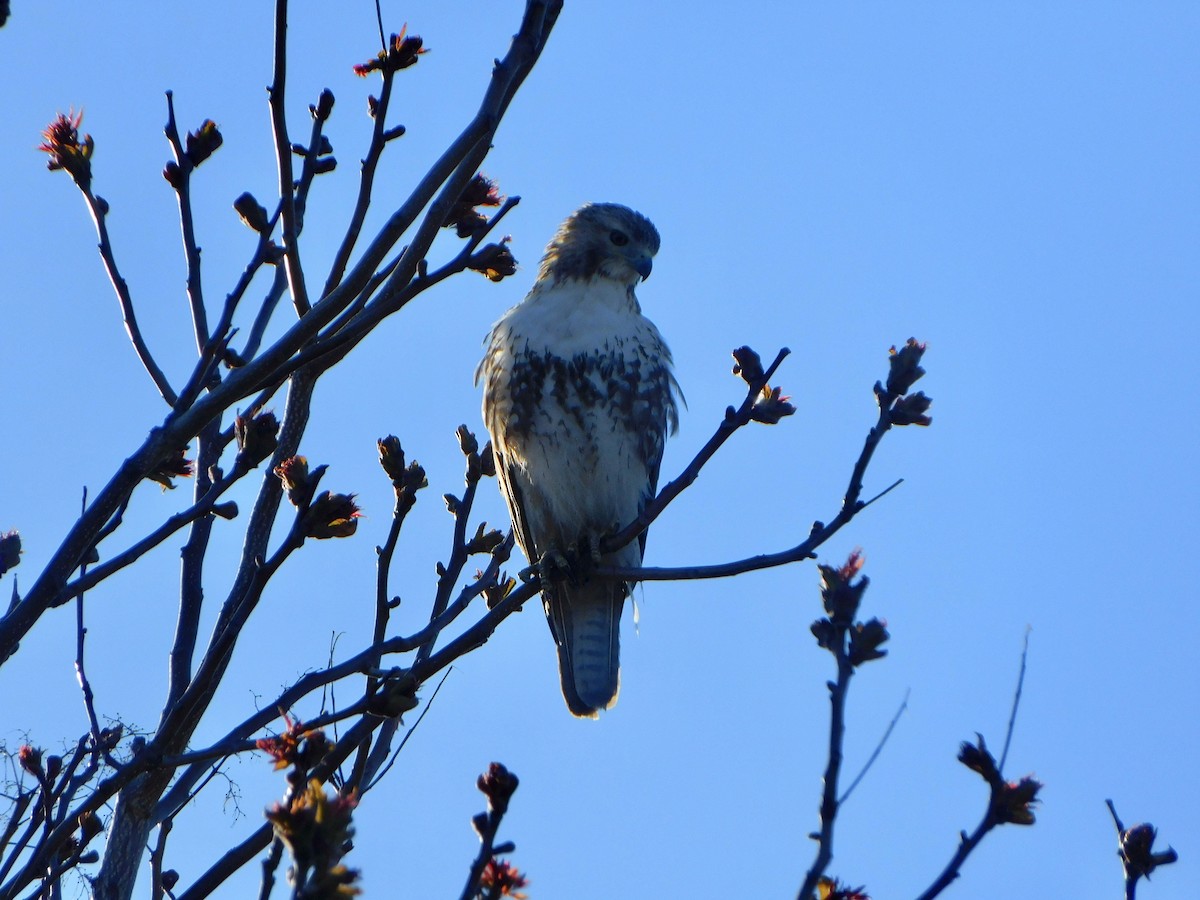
{"x":904,"y":370}
{"x":842,"y":595}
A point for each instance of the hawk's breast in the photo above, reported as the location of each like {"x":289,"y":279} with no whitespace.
{"x":578,"y":395}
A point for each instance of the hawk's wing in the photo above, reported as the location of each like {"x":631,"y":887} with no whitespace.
{"x":495,"y":371}
{"x":659,"y":410}
{"x":515,"y":501}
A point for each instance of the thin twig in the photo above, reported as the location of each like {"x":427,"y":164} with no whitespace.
{"x":404,"y":740}
{"x":821,"y":532}
{"x":379,"y":21}
{"x":202,"y":507}
{"x":383,"y":566}
{"x":263,"y":318}
{"x":732,"y":421}
{"x":1130,"y":882}
{"x":487,"y":839}
{"x":308,"y":171}
{"x":157,"y":855}
{"x":223,"y":332}
{"x":449,"y":574}
{"x":99,"y":210}
{"x":283,"y":159}
{"x":346,"y":332}
{"x":887,"y":490}
{"x":80,"y":672}
{"x":1012,"y":716}
{"x":183,"y":192}
{"x":966,"y":844}
{"x":366,"y":183}
{"x":405,"y":500}
{"x":1116,"y":819}
{"x":875,"y":753}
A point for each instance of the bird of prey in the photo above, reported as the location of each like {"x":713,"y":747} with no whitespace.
{"x":578,"y":396}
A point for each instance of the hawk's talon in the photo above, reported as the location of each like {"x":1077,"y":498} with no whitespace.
{"x":553,"y":566}
{"x":585,"y":556}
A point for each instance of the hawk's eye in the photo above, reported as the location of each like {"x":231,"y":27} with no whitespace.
{"x":619,"y":238}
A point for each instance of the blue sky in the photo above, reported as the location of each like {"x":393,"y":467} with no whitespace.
{"x":1016,"y":185}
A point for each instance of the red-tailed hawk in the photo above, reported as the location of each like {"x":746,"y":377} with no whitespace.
{"x":578,"y":397}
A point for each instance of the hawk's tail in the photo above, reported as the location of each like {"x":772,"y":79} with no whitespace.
{"x":585,"y":619}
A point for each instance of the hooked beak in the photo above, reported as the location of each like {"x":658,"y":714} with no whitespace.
{"x":643,"y":266}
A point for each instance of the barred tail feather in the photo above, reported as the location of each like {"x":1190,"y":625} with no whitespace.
{"x":585,"y":619}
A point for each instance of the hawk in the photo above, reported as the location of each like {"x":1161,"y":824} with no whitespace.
{"x":578,"y":397}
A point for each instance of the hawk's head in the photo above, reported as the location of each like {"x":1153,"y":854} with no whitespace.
{"x":601,"y":240}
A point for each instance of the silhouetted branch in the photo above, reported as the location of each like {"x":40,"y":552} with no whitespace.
{"x":99,"y":210}
{"x":161,"y":880}
{"x":1135,"y":847}
{"x":218,"y":343}
{"x":498,"y":785}
{"x":181,"y":182}
{"x":263,"y":318}
{"x":379,"y":139}
{"x":1012,"y":716}
{"x":374,"y":777}
{"x":890,"y":406}
{"x":85,"y":686}
{"x":875,"y":753}
{"x":451,"y":173}
{"x":851,"y":643}
{"x":1008,"y":802}
{"x":833,"y":766}
{"x":283,"y":158}
{"x":345,"y":333}
{"x":203,"y":507}
{"x":460,"y":508}
{"x":733,"y":420}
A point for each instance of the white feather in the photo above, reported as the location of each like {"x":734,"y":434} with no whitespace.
{"x":588,"y":471}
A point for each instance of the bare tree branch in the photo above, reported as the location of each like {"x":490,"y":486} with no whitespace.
{"x":379,"y":139}
{"x":833,"y":766}
{"x":1135,"y":847}
{"x":99,"y":210}
{"x":283,"y":157}
{"x":183,"y":191}
{"x":734,"y":419}
{"x":203,"y":507}
{"x":458,"y":165}
{"x":875,"y":753}
{"x":1012,"y":716}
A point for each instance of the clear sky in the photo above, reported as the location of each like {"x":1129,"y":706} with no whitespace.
{"x":1016,"y":184}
